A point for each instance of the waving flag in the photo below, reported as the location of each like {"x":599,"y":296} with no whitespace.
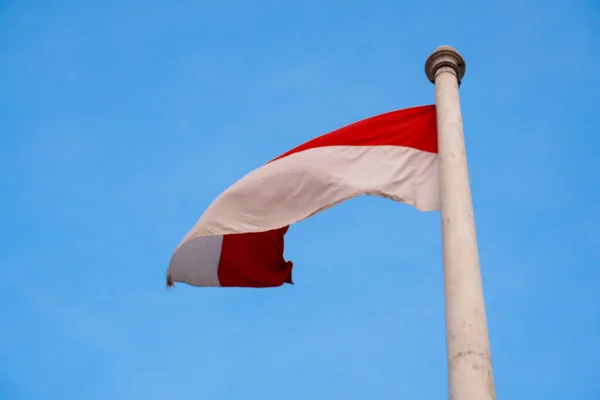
{"x":239,"y":240}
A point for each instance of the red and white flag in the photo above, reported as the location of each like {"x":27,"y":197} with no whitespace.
{"x":239,"y":239}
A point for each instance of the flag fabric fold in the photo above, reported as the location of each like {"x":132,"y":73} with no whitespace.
{"x":239,"y":240}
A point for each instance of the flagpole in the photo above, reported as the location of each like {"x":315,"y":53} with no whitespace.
{"x":467,"y":344}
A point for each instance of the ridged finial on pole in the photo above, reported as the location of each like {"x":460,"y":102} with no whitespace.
{"x":445,"y":56}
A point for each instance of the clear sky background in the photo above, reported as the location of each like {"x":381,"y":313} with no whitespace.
{"x":120,"y":121}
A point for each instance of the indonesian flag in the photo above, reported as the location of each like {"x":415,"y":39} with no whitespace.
{"x":239,"y":239}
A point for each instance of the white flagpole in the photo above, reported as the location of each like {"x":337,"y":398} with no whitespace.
{"x":467,"y":344}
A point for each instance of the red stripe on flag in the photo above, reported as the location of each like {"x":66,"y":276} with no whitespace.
{"x":254,"y":260}
{"x":412,"y":127}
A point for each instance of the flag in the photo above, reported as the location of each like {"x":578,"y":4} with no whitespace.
{"x":239,"y":240}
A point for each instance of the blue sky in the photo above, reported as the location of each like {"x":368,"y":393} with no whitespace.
{"x":120,"y":121}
